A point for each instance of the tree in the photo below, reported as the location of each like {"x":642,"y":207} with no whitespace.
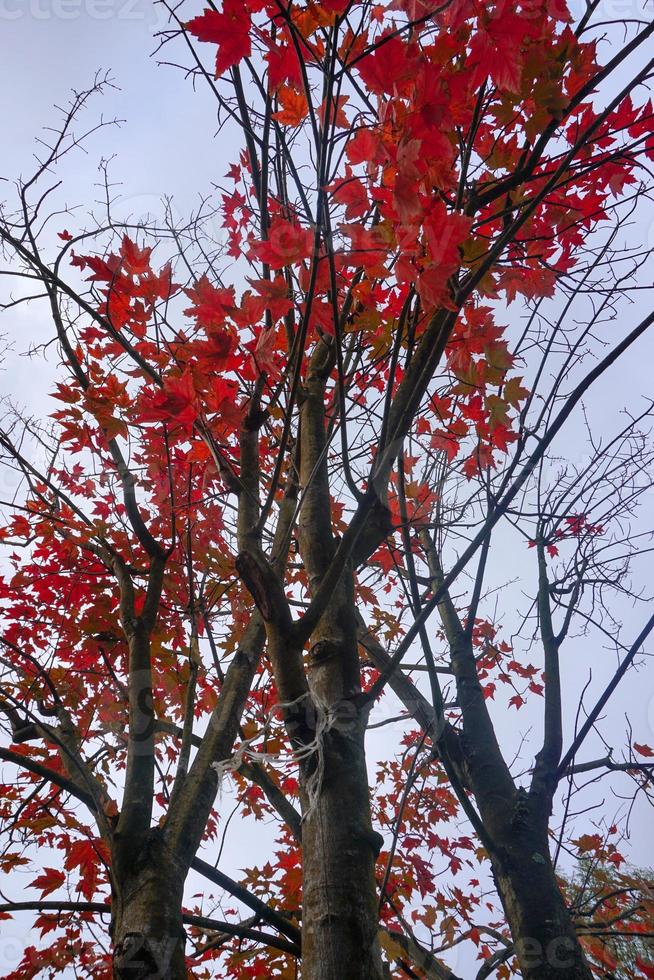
{"x":617,"y":907}
{"x":276,"y":455}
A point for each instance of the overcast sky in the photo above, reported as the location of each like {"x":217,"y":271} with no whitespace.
{"x":167,"y":145}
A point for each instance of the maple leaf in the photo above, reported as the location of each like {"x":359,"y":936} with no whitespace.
{"x":351,"y":192}
{"x":211,"y":305}
{"x":406,"y":198}
{"x":530,"y":281}
{"x":263,"y":353}
{"x":66,"y":394}
{"x":445,"y":234}
{"x":85,"y":855}
{"x":337,"y":115}
{"x":588,"y":843}
{"x":155,"y":286}
{"x":294,"y":106}
{"x":215,"y":354}
{"x":287,"y":244}
{"x":513,"y":392}
{"x":229,"y":29}
{"x":102,"y":270}
{"x":175,"y":402}
{"x":367,"y":246}
{"x":390,"y":64}
{"x":49,"y":881}
{"x":496,"y":52}
{"x":65,"y":235}
{"x":136,"y":261}
{"x":283,"y":66}
{"x":644,"y":750}
{"x":363,"y":147}
{"x":446,"y":442}
{"x":274,"y":294}
{"x":222,"y":399}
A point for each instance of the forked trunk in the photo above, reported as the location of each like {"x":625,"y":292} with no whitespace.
{"x":339,"y":915}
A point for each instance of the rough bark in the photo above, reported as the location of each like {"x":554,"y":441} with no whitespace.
{"x":339,"y":847}
{"x":147,"y":927}
{"x":544,"y":936}
{"x":339,"y":914}
{"x":340,"y":923}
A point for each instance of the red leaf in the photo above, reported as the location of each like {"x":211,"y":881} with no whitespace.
{"x":283,"y":67}
{"x":83,"y":854}
{"x":388,"y":66}
{"x":446,"y":442}
{"x":211,"y":304}
{"x":274,"y":294}
{"x":287,"y":244}
{"x":406,"y":198}
{"x":336,"y":112}
{"x":496,"y":51}
{"x":229,"y":29}
{"x":49,"y":881}
{"x":136,"y":260}
{"x":264,"y":351}
{"x":363,"y":147}
{"x":644,"y":750}
{"x":352,"y":193}
{"x":175,"y":402}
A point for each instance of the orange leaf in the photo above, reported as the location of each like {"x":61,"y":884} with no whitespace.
{"x":294,"y":107}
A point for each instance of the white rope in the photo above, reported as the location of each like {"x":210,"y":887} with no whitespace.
{"x":325,"y":718}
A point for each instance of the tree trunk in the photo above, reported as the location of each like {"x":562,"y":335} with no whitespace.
{"x":339,"y":915}
{"x":339,"y":848}
{"x":544,"y":936}
{"x":147,"y":927}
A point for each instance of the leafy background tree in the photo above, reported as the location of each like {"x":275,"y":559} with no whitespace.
{"x":599,"y":885}
{"x":275,"y":455}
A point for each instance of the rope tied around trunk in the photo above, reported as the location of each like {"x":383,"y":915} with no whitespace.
{"x":325,"y":718}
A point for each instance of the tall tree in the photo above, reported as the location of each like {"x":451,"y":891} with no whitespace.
{"x":277,"y":453}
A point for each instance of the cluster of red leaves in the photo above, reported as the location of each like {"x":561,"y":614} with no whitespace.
{"x":403,"y":164}
{"x":575,"y":526}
